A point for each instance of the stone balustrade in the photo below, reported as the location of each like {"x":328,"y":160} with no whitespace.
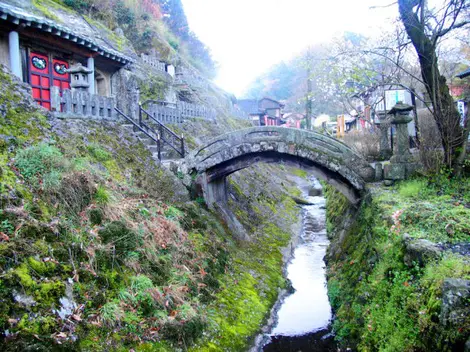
{"x":164,"y":114}
{"x":81,"y":104}
{"x":194,"y":110}
{"x":154,"y":62}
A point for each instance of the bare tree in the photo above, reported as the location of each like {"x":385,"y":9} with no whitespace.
{"x":425,"y":29}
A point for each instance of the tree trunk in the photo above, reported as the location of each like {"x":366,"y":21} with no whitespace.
{"x":444,"y":110}
{"x":308,"y":107}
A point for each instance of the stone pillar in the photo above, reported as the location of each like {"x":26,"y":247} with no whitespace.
{"x":15,"y":56}
{"x":401,"y":118}
{"x":401,"y":163}
{"x":385,"y":150}
{"x":91,"y":76}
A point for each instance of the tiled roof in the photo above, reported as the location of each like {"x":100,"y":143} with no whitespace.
{"x":19,"y":16}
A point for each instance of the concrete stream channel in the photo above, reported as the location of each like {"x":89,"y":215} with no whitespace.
{"x":300,"y":321}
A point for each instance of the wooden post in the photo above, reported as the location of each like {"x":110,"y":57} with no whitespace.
{"x":182,"y":145}
{"x":159,"y":147}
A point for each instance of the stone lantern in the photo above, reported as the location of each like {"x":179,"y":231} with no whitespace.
{"x":401,"y":163}
{"x":385,"y":150}
{"x":79,"y":77}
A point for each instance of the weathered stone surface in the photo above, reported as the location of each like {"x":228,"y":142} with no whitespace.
{"x":395,"y":171}
{"x":334,"y":161}
{"x":455,"y":309}
{"x":379,"y":172}
{"x":315,"y":192}
{"x":419,"y":251}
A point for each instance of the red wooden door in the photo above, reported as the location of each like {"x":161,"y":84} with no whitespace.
{"x":60,"y":78}
{"x":40,"y":80}
{"x":44,"y":74}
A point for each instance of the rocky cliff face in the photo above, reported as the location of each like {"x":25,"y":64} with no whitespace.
{"x":397,"y":276}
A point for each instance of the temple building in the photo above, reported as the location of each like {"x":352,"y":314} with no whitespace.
{"x":40,"y":51}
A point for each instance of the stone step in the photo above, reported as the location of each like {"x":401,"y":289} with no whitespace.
{"x":172,"y":164}
{"x":128,"y":127}
{"x":145,"y":141}
{"x":153,"y":148}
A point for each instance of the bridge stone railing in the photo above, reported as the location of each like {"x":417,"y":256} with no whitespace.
{"x":81,"y":104}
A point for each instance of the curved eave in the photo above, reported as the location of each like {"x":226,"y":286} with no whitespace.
{"x":52,"y":28}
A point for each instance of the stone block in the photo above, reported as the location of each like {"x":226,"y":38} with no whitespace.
{"x":395,"y":171}
{"x":420,"y":251}
{"x":379,"y":172}
{"x":455,"y":309}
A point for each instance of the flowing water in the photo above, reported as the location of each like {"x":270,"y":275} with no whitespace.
{"x":303,"y":319}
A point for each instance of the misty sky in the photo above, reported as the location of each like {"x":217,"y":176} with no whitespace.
{"x":248,"y":36}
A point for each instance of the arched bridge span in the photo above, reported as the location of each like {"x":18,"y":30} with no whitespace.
{"x":328,"y":158}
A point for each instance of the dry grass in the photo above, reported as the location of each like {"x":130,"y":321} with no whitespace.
{"x":365,"y":143}
{"x":430,"y":151}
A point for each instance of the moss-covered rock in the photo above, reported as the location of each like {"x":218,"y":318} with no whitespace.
{"x":384,"y":298}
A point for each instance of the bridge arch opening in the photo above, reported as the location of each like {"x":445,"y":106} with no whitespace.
{"x":326,"y":157}
{"x":215,"y":177}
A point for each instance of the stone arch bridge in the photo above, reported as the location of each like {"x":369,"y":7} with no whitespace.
{"x":328,"y":159}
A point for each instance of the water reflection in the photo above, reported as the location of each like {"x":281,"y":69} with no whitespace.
{"x":304,"y":316}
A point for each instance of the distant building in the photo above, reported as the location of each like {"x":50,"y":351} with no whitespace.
{"x":263,"y":112}
{"x":293,"y":119}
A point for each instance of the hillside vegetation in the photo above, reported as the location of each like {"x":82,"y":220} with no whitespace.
{"x":101,"y":249}
{"x":396,"y":273}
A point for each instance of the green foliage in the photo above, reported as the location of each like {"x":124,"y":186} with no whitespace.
{"x":173,"y":213}
{"x":7,"y":227}
{"x":102,"y":195}
{"x":41,"y":165}
{"x":412,"y":188}
{"x":79,"y":5}
{"x":300,"y":173}
{"x":98,"y":153}
{"x":381,"y":303}
{"x":153,"y":88}
{"x":111,"y":314}
{"x":118,"y":234}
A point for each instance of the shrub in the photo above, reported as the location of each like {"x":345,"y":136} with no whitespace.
{"x":430,"y":149}
{"x":411,"y":189}
{"x":365,"y":143}
{"x":41,"y":165}
{"x":123,"y":238}
{"x":74,"y":192}
{"x":111,"y":314}
{"x":98,"y":153}
{"x":102,"y":195}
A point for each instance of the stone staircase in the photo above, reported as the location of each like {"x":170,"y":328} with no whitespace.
{"x":167,"y":154}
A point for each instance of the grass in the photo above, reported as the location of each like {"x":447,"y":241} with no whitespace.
{"x":381,"y":303}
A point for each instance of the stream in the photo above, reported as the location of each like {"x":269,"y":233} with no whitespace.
{"x":303,"y":319}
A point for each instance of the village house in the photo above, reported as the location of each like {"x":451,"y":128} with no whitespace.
{"x":263,"y":112}
{"x":293,"y":119}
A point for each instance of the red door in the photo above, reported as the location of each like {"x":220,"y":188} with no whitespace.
{"x":44,"y":74}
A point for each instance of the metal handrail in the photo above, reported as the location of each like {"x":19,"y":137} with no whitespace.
{"x":160,"y":123}
{"x":162,"y":127}
{"x":145,"y":128}
{"x":139,"y":127}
